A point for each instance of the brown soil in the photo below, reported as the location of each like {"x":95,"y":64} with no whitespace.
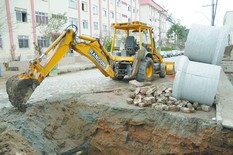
{"x":93,"y":123}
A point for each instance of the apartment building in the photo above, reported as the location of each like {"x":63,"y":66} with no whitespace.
{"x":156,"y":16}
{"x":19,"y":20}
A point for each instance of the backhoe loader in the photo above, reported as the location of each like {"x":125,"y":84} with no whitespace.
{"x":132,"y":55}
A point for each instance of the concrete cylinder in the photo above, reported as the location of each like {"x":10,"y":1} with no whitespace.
{"x":196,"y":82}
{"x":206,"y":43}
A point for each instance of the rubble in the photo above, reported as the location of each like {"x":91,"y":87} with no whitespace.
{"x":161,"y":99}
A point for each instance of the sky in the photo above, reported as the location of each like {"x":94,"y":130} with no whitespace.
{"x":196,"y":11}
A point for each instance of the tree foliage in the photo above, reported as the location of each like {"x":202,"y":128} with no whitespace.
{"x":53,"y":27}
{"x":179,"y":33}
{"x":107,"y":43}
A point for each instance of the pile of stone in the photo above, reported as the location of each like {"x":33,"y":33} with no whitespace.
{"x":160,"y":98}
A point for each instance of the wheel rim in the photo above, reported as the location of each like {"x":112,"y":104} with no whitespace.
{"x":149,"y":70}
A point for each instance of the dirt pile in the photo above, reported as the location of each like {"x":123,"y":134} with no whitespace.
{"x":56,"y":127}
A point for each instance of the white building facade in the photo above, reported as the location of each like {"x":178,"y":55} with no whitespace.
{"x":156,"y":16}
{"x":19,"y":20}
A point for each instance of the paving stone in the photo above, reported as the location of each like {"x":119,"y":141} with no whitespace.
{"x":147,"y":100}
{"x":189,"y":105}
{"x":151,"y":90}
{"x":185,"y":110}
{"x":178,"y":102}
{"x":143,"y":90}
{"x":195,"y":104}
{"x":170,"y":102}
{"x":165,"y":107}
{"x":172,"y":98}
{"x":137,"y":90}
{"x":168,"y":90}
{"x":172,"y":108}
{"x":158,"y":107}
{"x":142,"y":104}
{"x":132,"y":95}
{"x":130,"y":101}
{"x":138,"y":99}
{"x":199,"y":107}
{"x":178,"y":107}
{"x":192,"y":109}
{"x":136,"y":83}
{"x":205,"y":108}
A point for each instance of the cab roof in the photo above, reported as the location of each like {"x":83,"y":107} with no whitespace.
{"x":133,"y":25}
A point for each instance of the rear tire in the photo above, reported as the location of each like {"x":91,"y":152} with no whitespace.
{"x":146,"y":70}
{"x":162,"y":72}
{"x":118,"y":78}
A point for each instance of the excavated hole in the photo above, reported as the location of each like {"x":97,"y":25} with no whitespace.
{"x":83,"y":124}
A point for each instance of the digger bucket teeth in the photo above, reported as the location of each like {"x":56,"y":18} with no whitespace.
{"x":19,"y":91}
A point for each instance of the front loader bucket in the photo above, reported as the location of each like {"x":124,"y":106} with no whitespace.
{"x":19,"y":91}
{"x":170,"y":68}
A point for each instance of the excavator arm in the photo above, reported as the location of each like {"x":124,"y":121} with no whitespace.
{"x":20,"y":87}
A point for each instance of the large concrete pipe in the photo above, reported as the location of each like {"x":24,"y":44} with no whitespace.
{"x":196,"y":82}
{"x":206,"y":43}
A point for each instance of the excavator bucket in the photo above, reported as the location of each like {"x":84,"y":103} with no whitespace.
{"x":170,"y":68}
{"x":19,"y":91}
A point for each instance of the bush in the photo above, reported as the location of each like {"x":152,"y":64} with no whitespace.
{"x":107,"y":43}
{"x":167,"y":48}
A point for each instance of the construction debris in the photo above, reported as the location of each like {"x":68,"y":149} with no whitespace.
{"x":160,"y":98}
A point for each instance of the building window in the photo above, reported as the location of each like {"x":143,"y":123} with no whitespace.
{"x":73,"y":4}
{"x":133,"y":10}
{"x":118,"y":2}
{"x":42,"y":41}
{"x":85,"y":24}
{"x":129,"y":8}
{"x":112,"y":14}
{"x":104,"y":27}
{"x":95,"y":10}
{"x":84,"y":6}
{"x":113,"y":2}
{"x":125,"y":16}
{"x":129,"y":19}
{"x":119,"y":16}
{"x":124,"y":3}
{"x":96,"y":24}
{"x":1,"y":41}
{"x":23,"y":41}
{"x":104,"y":12}
{"x":21,"y":15}
{"x":41,"y":18}
{"x":73,"y":21}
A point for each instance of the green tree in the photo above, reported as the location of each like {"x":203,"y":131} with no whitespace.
{"x":107,"y":43}
{"x":54,"y":26}
{"x":178,"y":33}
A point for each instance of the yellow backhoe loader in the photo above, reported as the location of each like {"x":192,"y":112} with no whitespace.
{"x":133,"y":55}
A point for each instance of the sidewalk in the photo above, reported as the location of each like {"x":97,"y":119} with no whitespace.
{"x":75,"y":67}
{"x":224,"y":109}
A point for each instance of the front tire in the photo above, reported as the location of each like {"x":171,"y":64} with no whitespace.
{"x":162,"y":72}
{"x":146,"y":70}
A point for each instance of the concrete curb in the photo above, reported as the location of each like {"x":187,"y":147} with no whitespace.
{"x":74,"y":68}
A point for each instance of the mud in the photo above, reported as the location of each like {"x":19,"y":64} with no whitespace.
{"x":19,"y":91}
{"x":92,"y":123}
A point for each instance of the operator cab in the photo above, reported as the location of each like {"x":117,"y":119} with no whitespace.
{"x":130,"y":37}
